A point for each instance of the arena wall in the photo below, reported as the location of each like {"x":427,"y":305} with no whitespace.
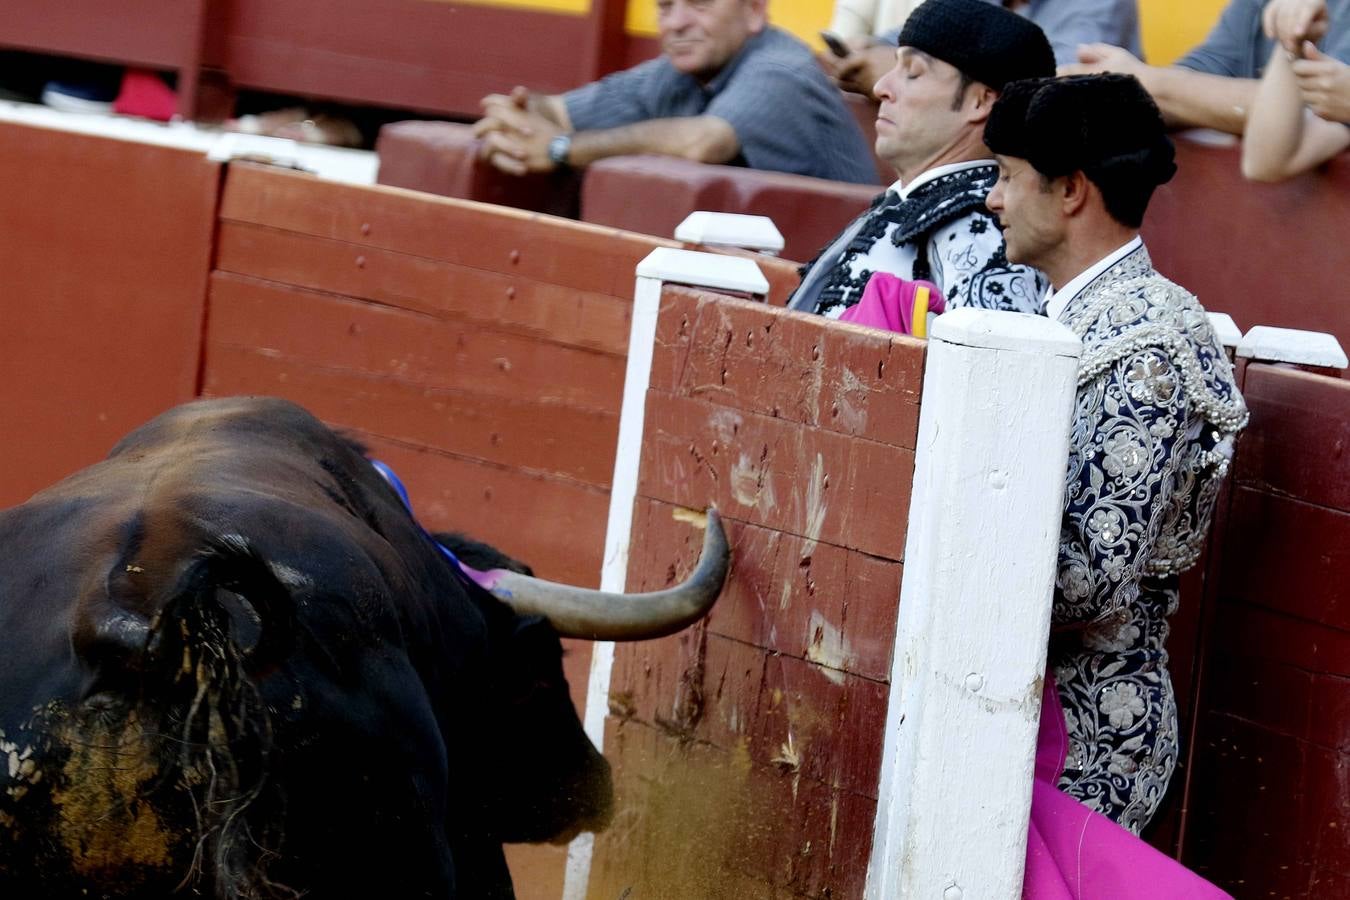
{"x":141,"y":276}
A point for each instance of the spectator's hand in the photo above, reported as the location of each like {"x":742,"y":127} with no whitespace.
{"x":1324,"y":82}
{"x":1094,"y":59}
{"x":1291,"y":22}
{"x":515,"y":136}
{"x":859,"y":72}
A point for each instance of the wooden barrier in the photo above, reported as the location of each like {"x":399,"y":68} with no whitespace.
{"x":1269,"y":813}
{"x":729,"y":739}
{"x":106,"y":250}
{"x":748,"y":750}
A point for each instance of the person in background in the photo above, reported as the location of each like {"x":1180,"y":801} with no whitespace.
{"x":1214,"y":85}
{"x":955,"y":57}
{"x":1301,"y":115}
{"x":1154,"y":423}
{"x":1068,"y":24}
{"x":727,"y":88}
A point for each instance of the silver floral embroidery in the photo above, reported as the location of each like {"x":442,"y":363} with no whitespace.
{"x":1154,"y":422}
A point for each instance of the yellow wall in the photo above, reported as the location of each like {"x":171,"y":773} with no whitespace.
{"x":1170,"y":27}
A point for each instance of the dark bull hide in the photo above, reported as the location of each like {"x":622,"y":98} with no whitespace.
{"x":232,"y":665}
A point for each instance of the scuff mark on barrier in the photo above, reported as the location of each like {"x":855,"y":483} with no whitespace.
{"x":848,"y":416}
{"x":751,"y":484}
{"x":828,"y":648}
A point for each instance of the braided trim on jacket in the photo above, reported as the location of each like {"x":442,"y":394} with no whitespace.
{"x":1163,"y":299}
{"x":940,"y":201}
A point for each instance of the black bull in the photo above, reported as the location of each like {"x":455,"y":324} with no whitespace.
{"x":233,"y":665}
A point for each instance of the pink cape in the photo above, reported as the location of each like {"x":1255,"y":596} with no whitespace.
{"x":888,"y":302}
{"x":1074,"y":853}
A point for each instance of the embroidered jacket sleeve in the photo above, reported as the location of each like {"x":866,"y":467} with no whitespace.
{"x":970,"y":263}
{"x":1127,"y":453}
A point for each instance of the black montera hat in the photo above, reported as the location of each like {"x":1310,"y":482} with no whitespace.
{"x":1107,"y":126}
{"x":985,"y":41}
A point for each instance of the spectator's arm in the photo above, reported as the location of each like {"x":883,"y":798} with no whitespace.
{"x":1282,"y":137}
{"x":524,"y":149}
{"x":706,"y":139}
{"x":1187,"y":98}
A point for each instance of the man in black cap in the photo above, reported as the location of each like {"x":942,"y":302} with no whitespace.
{"x":954,"y":58}
{"x":1154,"y":423}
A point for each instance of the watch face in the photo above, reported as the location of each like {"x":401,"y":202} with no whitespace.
{"x":558,"y":148}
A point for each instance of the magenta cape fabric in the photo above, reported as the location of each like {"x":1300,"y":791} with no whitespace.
{"x":1074,"y":853}
{"x":888,"y":302}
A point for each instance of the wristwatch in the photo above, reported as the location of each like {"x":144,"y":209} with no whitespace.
{"x":559,"y":148}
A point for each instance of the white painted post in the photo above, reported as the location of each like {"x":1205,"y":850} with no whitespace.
{"x":1265,"y":343}
{"x":980,"y":558}
{"x":718,"y":229}
{"x":662,"y":266}
{"x":1226,"y":330}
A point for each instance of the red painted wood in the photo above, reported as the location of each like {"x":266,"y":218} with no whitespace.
{"x":543,"y":438}
{"x":1298,"y":442}
{"x":701,"y":821}
{"x":782,"y":711}
{"x":1256,"y":828}
{"x":434,"y":56}
{"x":1289,"y":556}
{"x":652,"y":195}
{"x":498,"y":300}
{"x":758,"y":359}
{"x":558,"y":527}
{"x":105,"y":258}
{"x":809,"y":601}
{"x":442,"y":158}
{"x":153,"y":33}
{"x":571,"y":254}
{"x":1270,"y":271}
{"x":808,"y":482}
{"x":347,"y":333}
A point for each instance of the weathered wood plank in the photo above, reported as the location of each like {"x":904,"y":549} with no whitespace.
{"x":819,"y":485}
{"x":500,"y":300}
{"x":494,"y":238}
{"x":106,"y":250}
{"x":324,"y":329}
{"x":818,"y":602}
{"x":759,"y":359}
{"x":541,"y":437}
{"x":783,"y":712}
{"x":700,"y":821}
{"x":1298,"y":442}
{"x":555,"y":526}
{"x":1288,"y":556}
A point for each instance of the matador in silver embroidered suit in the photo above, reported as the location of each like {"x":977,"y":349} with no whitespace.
{"x":1156,"y":416}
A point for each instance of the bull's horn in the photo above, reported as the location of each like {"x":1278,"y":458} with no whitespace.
{"x":602,"y":616}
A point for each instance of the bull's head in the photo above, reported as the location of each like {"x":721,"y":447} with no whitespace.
{"x":232,"y":663}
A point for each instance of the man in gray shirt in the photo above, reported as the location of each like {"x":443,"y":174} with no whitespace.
{"x":1214,"y":85}
{"x":728,"y":88}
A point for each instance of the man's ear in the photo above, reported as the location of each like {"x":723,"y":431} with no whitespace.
{"x":979,"y":101}
{"x":1075,"y":190}
{"x":757,"y":15}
